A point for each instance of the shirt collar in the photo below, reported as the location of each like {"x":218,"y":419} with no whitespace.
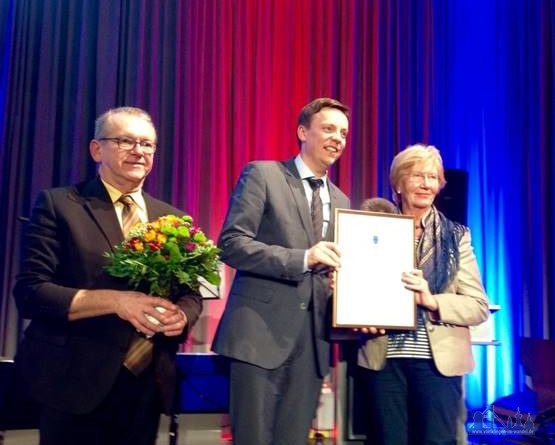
{"x":115,"y":194}
{"x":304,"y":171}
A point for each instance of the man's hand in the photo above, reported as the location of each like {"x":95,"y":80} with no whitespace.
{"x":135,"y":306}
{"x":331,"y":279}
{"x":174,"y":323}
{"x":148,"y":314}
{"x":324,"y":253}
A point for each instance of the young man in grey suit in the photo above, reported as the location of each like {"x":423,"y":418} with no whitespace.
{"x":83,"y":321}
{"x":274,"y":327}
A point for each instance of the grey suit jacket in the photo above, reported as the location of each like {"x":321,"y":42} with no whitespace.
{"x":71,"y":365}
{"x":265,"y":235}
{"x":463,"y":304}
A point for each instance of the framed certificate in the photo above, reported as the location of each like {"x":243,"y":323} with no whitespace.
{"x":376,"y":248}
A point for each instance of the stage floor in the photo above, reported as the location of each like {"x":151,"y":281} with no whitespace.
{"x":194,"y":429}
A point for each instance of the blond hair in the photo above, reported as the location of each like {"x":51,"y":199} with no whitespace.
{"x":407,"y":158}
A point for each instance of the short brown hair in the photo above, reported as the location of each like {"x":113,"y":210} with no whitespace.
{"x":378,"y":205}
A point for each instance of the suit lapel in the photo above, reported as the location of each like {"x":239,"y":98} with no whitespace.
{"x":153,"y":208}
{"x":96,"y":201}
{"x":334,"y":201}
{"x":297,"y":189}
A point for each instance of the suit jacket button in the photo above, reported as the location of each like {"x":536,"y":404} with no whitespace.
{"x":303,"y":306}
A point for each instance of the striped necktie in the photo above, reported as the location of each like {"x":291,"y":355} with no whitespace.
{"x":139,"y":355}
{"x":316,"y":207}
{"x":130,"y":213}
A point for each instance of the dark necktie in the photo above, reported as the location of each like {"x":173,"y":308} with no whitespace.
{"x":139,"y":355}
{"x":316,"y":207}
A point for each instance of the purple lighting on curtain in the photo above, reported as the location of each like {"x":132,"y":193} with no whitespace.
{"x":6,"y":38}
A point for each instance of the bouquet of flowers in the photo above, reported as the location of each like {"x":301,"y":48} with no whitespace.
{"x":164,"y":255}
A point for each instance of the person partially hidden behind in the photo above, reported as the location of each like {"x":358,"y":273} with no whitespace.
{"x":380,"y":205}
{"x":415,"y":377}
{"x":75,"y":355}
{"x":277,"y":235}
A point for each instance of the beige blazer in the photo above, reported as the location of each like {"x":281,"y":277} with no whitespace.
{"x":463,"y":304}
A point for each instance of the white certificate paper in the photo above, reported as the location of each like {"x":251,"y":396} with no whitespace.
{"x":376,"y":248}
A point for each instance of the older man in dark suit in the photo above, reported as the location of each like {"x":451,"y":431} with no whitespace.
{"x":74,"y":358}
{"x":277,"y":236}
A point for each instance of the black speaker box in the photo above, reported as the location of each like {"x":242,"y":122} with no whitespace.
{"x":452,"y":201}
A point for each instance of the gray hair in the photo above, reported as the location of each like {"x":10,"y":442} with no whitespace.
{"x":101,"y":121}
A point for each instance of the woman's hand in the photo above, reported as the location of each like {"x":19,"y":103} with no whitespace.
{"x":371,"y":330}
{"x":415,"y":281}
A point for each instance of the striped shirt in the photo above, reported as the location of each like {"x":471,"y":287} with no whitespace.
{"x":411,"y":344}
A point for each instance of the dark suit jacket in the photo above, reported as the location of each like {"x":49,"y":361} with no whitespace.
{"x":266,"y":233}
{"x":71,"y":365}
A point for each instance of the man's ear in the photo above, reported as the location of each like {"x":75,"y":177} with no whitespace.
{"x":95,"y":150}
{"x":301,"y":133}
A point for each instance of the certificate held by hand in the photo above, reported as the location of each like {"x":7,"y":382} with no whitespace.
{"x":376,"y":248}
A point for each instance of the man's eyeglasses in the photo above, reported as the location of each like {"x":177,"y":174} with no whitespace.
{"x":128,"y":144}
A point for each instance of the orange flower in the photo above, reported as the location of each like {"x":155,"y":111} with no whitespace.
{"x":149,"y":236}
{"x":137,"y":244}
{"x":165,"y":255}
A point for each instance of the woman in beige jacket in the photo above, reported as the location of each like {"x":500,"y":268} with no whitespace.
{"x":415,"y":377}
